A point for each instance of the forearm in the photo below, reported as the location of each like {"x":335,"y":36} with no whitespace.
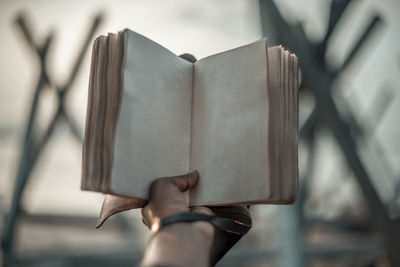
{"x":180,"y":244}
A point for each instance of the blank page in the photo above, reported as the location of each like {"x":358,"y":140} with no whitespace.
{"x":230,"y":126}
{"x":153,"y":134}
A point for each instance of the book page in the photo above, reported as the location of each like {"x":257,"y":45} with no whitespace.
{"x":153,"y":132}
{"x":230,"y":126}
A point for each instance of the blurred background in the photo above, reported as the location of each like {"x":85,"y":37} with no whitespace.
{"x":349,"y":202}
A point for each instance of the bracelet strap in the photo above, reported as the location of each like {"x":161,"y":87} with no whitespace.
{"x":224,"y":224}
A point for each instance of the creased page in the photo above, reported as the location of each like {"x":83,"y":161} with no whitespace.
{"x":230,"y":127}
{"x":153,"y":132}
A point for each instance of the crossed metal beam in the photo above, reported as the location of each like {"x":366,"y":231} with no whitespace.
{"x":319,"y":79}
{"x":32,"y":145}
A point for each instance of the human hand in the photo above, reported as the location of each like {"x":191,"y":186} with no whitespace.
{"x":167,"y":198}
{"x":180,"y":243}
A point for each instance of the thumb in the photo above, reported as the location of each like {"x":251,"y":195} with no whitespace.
{"x":185,"y":182}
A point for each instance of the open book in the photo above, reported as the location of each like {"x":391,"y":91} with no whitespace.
{"x":232,"y":116}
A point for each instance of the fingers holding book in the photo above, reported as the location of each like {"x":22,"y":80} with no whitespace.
{"x":167,"y":197}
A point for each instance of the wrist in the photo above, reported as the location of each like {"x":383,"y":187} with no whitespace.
{"x":203,"y":231}
{"x":198,"y":224}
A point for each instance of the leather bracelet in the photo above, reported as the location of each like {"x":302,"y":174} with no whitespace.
{"x":224,"y":224}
